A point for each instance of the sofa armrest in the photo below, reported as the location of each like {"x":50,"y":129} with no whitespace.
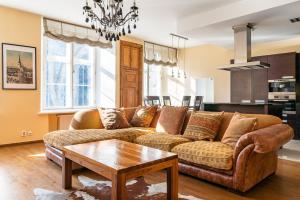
{"x":86,"y":119}
{"x":266,"y":139}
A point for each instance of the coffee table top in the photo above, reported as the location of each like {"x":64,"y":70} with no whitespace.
{"x":118,"y":155}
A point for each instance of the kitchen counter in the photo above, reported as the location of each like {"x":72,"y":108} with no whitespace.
{"x":251,"y":108}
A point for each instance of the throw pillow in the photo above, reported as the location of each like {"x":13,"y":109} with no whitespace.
{"x":238,"y":126}
{"x":171,"y":120}
{"x":143,"y":116}
{"x":113,"y":119}
{"x":203,"y":125}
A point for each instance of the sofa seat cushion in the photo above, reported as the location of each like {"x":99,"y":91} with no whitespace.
{"x":162,"y":141}
{"x":60,"y":138}
{"x":212,"y":154}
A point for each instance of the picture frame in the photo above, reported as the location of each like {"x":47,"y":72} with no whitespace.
{"x":18,"y":67}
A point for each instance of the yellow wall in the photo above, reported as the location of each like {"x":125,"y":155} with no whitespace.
{"x":204,"y":61}
{"x":19,"y":109}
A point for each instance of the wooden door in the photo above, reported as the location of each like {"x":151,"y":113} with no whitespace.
{"x":131,"y":74}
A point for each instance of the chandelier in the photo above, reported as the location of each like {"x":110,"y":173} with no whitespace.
{"x":108,"y":20}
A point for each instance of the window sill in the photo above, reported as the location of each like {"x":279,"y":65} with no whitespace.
{"x":63,"y":111}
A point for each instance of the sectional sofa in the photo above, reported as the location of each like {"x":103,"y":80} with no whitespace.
{"x":252,"y":159}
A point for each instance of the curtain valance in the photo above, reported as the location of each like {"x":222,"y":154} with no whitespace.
{"x":68,"y":32}
{"x":158,"y":54}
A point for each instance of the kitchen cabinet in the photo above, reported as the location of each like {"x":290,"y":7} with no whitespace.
{"x":250,"y":85}
{"x":240,"y":86}
{"x":281,"y":65}
{"x":259,"y":81}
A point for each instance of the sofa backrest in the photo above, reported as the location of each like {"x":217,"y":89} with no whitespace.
{"x":90,"y":119}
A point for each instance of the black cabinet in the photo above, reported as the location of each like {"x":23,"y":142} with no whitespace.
{"x":282,"y":65}
{"x":240,"y":85}
{"x":259,"y":84}
{"x":250,"y":84}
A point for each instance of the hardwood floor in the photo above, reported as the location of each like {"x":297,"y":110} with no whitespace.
{"x":24,"y":167}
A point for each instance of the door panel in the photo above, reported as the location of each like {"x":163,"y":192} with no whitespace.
{"x":125,"y":58}
{"x":131,"y":74}
{"x":135,"y":58}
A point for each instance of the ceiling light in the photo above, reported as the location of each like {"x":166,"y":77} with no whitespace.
{"x":107,"y":18}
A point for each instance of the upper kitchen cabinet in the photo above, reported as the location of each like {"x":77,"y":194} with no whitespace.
{"x":281,"y":65}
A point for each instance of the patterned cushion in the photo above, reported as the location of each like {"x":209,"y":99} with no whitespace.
{"x":143,"y":116}
{"x":61,"y":138}
{"x":203,"y":125}
{"x":211,"y":154}
{"x":160,"y":141}
{"x":171,"y":120}
{"x":113,"y":119}
{"x":239,"y":125}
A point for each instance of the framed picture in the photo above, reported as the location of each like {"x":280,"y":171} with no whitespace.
{"x":18,"y":67}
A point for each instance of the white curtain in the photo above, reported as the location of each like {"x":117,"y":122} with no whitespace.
{"x":72,"y":33}
{"x":160,"y":55}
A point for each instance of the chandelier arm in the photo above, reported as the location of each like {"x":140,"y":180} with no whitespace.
{"x":124,"y":22}
{"x":104,"y":21}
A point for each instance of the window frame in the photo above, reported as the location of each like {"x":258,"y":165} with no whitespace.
{"x":70,"y":70}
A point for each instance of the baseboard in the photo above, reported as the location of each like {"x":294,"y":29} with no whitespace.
{"x":21,"y":143}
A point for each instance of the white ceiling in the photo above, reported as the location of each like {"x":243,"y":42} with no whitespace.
{"x":203,"y":21}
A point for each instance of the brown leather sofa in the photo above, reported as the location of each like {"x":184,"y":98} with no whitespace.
{"x":253,"y":159}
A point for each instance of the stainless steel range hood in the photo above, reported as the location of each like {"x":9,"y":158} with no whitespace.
{"x":242,"y":50}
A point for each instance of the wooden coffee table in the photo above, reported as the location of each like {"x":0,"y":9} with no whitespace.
{"x":119,"y":161}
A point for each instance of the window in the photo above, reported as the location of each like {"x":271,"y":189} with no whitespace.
{"x":158,"y":81}
{"x":69,"y":75}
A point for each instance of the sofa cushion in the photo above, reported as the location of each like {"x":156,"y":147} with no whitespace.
{"x":58,"y":139}
{"x":113,"y":119}
{"x":203,"y":125}
{"x":263,"y":121}
{"x":171,"y":120}
{"x":211,"y":154}
{"x":143,"y":116}
{"x":86,"y":119}
{"x":162,"y":141}
{"x":239,"y":125}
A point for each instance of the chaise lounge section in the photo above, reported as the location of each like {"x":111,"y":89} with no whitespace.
{"x":253,"y":158}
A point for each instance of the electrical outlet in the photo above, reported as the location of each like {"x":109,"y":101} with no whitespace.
{"x":23,"y":133}
{"x":29,"y":133}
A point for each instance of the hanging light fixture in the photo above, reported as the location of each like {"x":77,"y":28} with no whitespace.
{"x":184,"y":53}
{"x":108,"y":18}
{"x":178,"y":72}
{"x":172,"y":47}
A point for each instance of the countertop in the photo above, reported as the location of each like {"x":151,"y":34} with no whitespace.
{"x":236,"y":104}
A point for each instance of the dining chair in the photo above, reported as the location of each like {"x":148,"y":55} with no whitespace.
{"x":167,"y":100}
{"x":148,"y":102}
{"x":197,"y":103}
{"x":155,"y":100}
{"x":186,"y":101}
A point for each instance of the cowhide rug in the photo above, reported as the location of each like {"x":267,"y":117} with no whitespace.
{"x":137,"y":189}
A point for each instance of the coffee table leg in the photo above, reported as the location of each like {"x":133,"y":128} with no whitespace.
{"x":118,"y":190}
{"x":172,"y":181}
{"x":67,"y":173}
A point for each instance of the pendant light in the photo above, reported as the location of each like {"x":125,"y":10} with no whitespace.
{"x":178,"y":72}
